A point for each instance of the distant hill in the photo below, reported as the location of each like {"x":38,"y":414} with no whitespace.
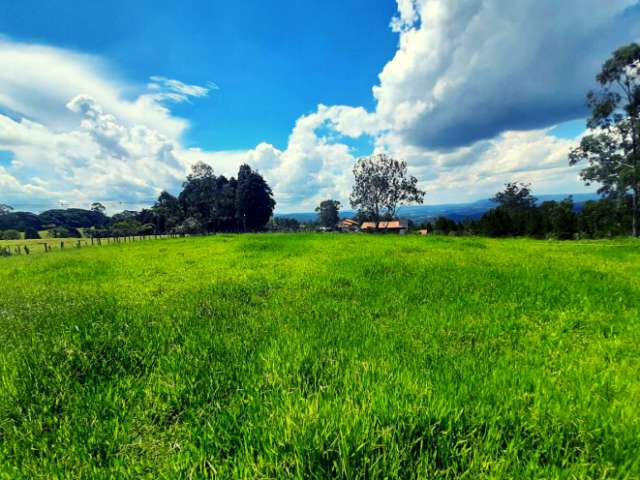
{"x":68,"y":218}
{"x":454,"y":211}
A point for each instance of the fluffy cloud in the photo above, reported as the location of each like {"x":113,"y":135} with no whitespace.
{"x":37,"y":81}
{"x":478,"y":170}
{"x":102,"y":159}
{"x":467,"y":70}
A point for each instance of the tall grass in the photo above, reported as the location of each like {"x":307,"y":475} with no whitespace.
{"x":318,"y":356}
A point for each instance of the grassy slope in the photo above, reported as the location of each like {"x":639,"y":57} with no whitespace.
{"x":321,"y":355}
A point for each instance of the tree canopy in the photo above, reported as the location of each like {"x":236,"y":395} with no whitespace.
{"x":328,"y":213}
{"x":612,"y":149}
{"x":381,"y":185}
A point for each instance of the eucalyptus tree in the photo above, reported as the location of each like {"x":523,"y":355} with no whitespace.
{"x":382,"y":184}
{"x":612,"y":149}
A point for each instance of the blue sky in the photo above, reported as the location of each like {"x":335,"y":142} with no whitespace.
{"x":272,"y":61}
{"x":114,"y":101}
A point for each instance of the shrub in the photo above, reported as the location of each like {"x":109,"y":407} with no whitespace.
{"x":11,"y":235}
{"x":31,"y":233}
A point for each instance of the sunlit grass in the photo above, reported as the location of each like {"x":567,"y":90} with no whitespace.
{"x":316,"y":356}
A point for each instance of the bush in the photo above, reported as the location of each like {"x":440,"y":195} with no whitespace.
{"x":31,"y":233}
{"x":11,"y":235}
{"x":59,"y":232}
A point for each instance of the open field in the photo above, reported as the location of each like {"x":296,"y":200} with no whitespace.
{"x":316,"y":356}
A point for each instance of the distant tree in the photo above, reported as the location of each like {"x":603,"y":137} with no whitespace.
{"x":5,"y":209}
{"x":254,"y":200}
{"x":73,"y":218}
{"x":190,"y":225}
{"x":515,"y":196}
{"x":557,"y":219}
{"x":496,"y":223}
{"x":11,"y":235}
{"x":59,"y":232}
{"x":381,"y":185}
{"x":31,"y":233}
{"x":612,"y":151}
{"x":515,"y":214}
{"x":444,"y":225}
{"x":605,"y":218}
{"x":328,"y":213}
{"x":124,"y":216}
{"x":167,"y":212}
{"x":98,"y":207}
{"x":284,"y":224}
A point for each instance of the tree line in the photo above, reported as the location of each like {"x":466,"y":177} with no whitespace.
{"x":517,"y":213}
{"x":207,"y":203}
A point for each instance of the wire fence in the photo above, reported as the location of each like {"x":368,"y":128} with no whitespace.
{"x":30,"y":247}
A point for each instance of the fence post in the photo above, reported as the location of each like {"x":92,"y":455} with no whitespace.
{"x":26,"y":250}
{"x":62,"y":244}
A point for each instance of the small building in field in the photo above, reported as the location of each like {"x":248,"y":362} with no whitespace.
{"x":369,"y":226}
{"x":392,"y":226}
{"x":347,"y":225}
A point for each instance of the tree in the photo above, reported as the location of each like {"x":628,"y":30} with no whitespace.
{"x":381,"y":185}
{"x":167,"y":212}
{"x":5,"y":209}
{"x":31,"y":233}
{"x":328,"y":213}
{"x":515,"y":197}
{"x":199,"y":194}
{"x":444,"y":225}
{"x":515,"y":212}
{"x":604,"y":218}
{"x":254,"y":199}
{"x":98,"y":207}
{"x":284,"y":224}
{"x":612,"y":151}
{"x":10,"y":235}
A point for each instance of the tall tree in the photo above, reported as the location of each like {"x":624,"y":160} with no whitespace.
{"x":612,"y":150}
{"x":198,"y":195}
{"x":515,"y":212}
{"x":5,"y":209}
{"x":328,"y":213}
{"x":381,"y":185}
{"x":254,"y":200}
{"x":515,"y":196}
{"x":98,"y":207}
{"x":225,"y":204}
{"x":167,"y":211}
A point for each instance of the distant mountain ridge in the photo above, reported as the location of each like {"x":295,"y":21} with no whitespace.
{"x":454,"y":211}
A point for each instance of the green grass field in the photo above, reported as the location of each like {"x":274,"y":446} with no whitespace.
{"x":318,"y":356}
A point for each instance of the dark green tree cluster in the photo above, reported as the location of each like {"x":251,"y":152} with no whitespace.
{"x":518,"y":214}
{"x":283,"y":224}
{"x":207,"y":203}
{"x":210,"y":203}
